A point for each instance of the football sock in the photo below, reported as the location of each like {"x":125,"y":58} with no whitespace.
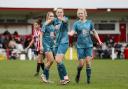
{"x":60,"y":71}
{"x":88,"y":73}
{"x":38,"y":68}
{"x":79,"y":71}
{"x":42,"y":66}
{"x":64,"y":69}
{"x":46,"y":73}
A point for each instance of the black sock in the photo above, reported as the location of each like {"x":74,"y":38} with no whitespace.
{"x":88,"y":72}
{"x":38,"y":67}
{"x":79,"y":71}
{"x":42,"y":66}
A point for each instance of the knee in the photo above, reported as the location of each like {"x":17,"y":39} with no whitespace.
{"x":81,"y":64}
{"x":88,"y":61}
{"x":88,"y":64}
{"x":58,"y":61}
{"x":39,"y":61}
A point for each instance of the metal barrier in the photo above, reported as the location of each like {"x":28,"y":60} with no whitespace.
{"x":71,"y":54}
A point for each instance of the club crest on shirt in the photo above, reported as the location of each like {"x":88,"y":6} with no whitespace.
{"x":85,"y":32}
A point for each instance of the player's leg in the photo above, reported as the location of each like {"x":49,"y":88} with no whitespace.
{"x":38,"y":64}
{"x":50,"y":59}
{"x":62,"y":48}
{"x":88,"y":63}
{"x":49,"y":62}
{"x":55,"y":49}
{"x":81,"y":56}
{"x":42,"y":60}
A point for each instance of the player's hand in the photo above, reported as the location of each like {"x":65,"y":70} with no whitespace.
{"x":100,"y":43}
{"x":48,"y":21}
{"x":57,"y":27}
{"x":71,"y":33}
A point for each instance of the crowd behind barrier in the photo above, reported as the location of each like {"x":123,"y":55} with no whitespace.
{"x":12,"y":46}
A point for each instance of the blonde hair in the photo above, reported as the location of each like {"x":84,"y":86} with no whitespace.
{"x":81,"y":9}
{"x":60,"y":8}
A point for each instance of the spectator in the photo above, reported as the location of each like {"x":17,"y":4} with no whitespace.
{"x":126,"y":52}
{"x":118,"y":49}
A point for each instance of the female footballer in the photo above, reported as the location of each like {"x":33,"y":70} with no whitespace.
{"x":36,"y":39}
{"x":48,"y":43}
{"x":61,"y":44}
{"x":83,"y":27}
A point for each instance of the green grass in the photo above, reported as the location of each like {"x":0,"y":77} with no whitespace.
{"x":106,"y":74}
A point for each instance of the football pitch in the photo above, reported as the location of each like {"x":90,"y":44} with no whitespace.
{"x":106,"y":74}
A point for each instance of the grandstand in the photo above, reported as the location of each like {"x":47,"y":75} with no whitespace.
{"x":18,"y":15}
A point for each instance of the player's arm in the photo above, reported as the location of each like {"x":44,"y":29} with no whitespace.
{"x":74,"y":30}
{"x":97,"y":36}
{"x":48,"y":22}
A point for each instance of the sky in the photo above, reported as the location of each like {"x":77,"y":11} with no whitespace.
{"x":71,"y":4}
